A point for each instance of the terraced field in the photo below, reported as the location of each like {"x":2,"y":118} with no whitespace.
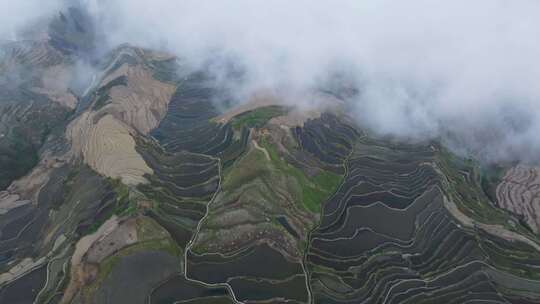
{"x":520,"y":193}
{"x":32,"y":107}
{"x":386,"y":236}
{"x":147,"y":188}
{"x":72,"y":202}
{"x":268,"y":201}
{"x":181,"y":186}
{"x":187,"y":124}
{"x":337,"y":216}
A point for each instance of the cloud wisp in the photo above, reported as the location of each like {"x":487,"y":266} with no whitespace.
{"x":464,"y":71}
{"x":17,"y":16}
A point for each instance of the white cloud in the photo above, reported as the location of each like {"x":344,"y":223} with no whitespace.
{"x":16,"y":15}
{"x":424,"y":68}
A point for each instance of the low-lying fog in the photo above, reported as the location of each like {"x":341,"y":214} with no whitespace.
{"x":464,"y":71}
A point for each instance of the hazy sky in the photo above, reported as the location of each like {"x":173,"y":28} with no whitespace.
{"x":468,"y":68}
{"x":14,"y":15}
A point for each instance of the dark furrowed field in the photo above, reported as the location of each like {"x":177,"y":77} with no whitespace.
{"x":134,"y":276}
{"x":268,"y":200}
{"x":178,"y":289}
{"x":181,"y":186}
{"x":386,"y":237}
{"x":25,"y":289}
{"x":73,"y":202}
{"x":187,"y":126}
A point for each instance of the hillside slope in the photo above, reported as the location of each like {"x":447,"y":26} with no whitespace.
{"x":143,"y":189}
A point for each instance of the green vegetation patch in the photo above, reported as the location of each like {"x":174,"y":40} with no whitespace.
{"x":258,"y":117}
{"x":275,"y":172}
{"x":124,"y":205}
{"x":464,"y":184}
{"x":322,"y":187}
{"x":148,"y":229}
{"x":315,"y":190}
{"x":492,"y":176}
{"x":464,"y":188}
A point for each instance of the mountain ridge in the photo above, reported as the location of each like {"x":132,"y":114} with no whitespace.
{"x":153,"y":186}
